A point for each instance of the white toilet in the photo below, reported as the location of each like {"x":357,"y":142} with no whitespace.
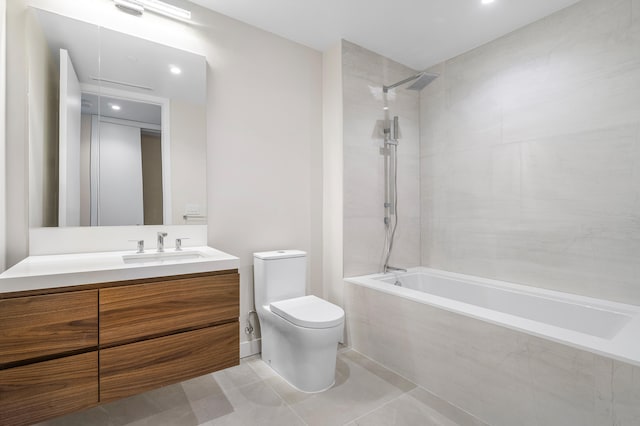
{"x":300,"y":334}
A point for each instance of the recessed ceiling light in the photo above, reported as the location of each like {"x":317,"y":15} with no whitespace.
{"x":487,"y":1}
{"x":115,"y":107}
{"x":174,"y":70}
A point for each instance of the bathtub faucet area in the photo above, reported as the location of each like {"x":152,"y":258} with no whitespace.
{"x":388,"y":268}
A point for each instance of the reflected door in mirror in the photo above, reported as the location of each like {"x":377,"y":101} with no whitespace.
{"x":69,"y":145}
{"x":118,"y":200}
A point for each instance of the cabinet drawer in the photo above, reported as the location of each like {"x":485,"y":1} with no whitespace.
{"x":39,"y":391}
{"x":138,"y":367}
{"x":146,"y":310}
{"x":37,"y":326}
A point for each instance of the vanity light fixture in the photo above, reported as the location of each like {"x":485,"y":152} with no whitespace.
{"x":165,"y":9}
{"x":175,"y":70}
{"x":131,"y":7}
{"x":157,"y":6}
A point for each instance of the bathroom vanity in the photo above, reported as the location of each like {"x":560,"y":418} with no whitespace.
{"x":80,"y":330}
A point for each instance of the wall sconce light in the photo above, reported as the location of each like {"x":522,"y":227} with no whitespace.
{"x":137,"y":7}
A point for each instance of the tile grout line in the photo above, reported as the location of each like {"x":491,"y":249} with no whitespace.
{"x":424,"y":389}
{"x":278,"y":395}
{"x":346,"y":349}
{"x":378,"y":407}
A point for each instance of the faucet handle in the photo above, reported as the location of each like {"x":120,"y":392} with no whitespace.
{"x":140,"y":245}
{"x":179,"y":243}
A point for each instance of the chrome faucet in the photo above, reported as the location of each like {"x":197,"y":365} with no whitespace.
{"x":140,"y":245}
{"x":161,"y":236}
{"x":179,"y":243}
{"x":393,"y":268}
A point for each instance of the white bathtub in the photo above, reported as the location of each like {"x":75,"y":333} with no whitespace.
{"x":602,"y":327}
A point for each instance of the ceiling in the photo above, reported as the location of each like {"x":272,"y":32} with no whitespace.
{"x":417,"y":33}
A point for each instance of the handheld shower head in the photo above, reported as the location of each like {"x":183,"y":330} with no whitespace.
{"x":396,"y":128}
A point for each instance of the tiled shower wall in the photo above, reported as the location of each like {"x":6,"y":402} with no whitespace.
{"x":530,"y":155}
{"x":363,"y":75}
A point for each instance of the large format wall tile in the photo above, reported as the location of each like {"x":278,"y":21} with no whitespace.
{"x":364,"y":74}
{"x":530,"y":155}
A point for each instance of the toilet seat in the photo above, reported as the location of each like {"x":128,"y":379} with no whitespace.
{"x":309,"y":312}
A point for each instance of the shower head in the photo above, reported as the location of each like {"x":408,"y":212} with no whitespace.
{"x":422,"y":80}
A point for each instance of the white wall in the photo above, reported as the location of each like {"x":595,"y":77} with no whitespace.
{"x":531,"y":155}
{"x":363,"y":75}
{"x":3,"y":69}
{"x":332,"y":166}
{"x":263,"y":131}
{"x":17,"y":192}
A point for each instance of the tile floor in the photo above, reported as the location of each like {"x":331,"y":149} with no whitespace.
{"x":365,"y":393}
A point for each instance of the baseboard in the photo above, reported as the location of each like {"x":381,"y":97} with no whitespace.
{"x":250,"y":347}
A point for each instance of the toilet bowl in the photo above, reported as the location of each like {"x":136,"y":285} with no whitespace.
{"x":300,"y":333}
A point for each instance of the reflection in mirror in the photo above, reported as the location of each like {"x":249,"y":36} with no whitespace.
{"x":125,"y":184}
{"x":117,"y":128}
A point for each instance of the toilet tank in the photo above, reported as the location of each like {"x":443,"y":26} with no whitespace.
{"x":279,"y":275}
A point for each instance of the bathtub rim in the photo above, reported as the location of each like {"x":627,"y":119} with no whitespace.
{"x":621,"y":347}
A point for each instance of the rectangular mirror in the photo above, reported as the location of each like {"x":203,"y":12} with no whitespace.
{"x":117,"y":128}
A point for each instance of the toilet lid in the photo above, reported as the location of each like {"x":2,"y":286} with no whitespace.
{"x":309,"y":312}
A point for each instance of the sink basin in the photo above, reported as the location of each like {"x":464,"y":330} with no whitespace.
{"x":173,"y":256}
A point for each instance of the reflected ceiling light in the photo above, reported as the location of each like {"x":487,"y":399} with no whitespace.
{"x":115,"y":107}
{"x":157,"y":6}
{"x":175,"y":70}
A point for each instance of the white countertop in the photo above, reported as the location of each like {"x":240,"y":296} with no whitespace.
{"x":63,"y":270}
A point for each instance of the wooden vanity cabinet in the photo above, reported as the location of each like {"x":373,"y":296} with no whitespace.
{"x":75,"y":349}
{"x":42,"y":390}
{"x":137,"y":312}
{"x":138,"y":367}
{"x":156,"y":334}
{"x":34,"y":328}
{"x":48,"y":356}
